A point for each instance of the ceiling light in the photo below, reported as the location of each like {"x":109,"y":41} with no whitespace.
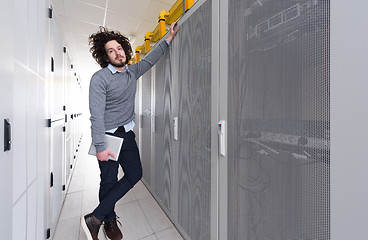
{"x":131,"y":39}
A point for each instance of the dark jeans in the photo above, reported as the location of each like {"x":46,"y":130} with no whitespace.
{"x":111,"y":190}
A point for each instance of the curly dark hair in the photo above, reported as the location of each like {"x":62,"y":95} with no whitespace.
{"x":98,"y":41}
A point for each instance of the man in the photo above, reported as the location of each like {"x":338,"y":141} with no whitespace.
{"x":111,"y":102}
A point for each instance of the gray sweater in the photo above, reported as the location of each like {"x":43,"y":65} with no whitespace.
{"x":112,"y":96}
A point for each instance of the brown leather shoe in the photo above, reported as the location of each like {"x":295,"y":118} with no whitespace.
{"x":91,"y":226}
{"x":112,"y":231}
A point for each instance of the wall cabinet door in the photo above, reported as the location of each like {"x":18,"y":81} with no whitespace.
{"x":6,"y":90}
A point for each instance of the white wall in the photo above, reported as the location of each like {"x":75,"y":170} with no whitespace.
{"x":29,"y":94}
{"x":6,"y":105}
{"x":28,"y":119}
{"x":349,"y":120}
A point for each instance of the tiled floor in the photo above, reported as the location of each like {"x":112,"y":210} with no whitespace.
{"x":139,"y":213}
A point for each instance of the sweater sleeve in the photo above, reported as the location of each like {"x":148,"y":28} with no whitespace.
{"x":149,"y":60}
{"x":97,"y":102}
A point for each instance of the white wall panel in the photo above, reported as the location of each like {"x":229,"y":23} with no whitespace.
{"x":42,"y":175}
{"x":21,"y":31}
{"x":349,"y":118}
{"x":31,"y":130}
{"x":33,"y":36}
{"x":6,"y":108}
{"x":20,"y":219}
{"x":19,"y":132}
{"x":30,"y":95}
{"x":68,"y":111}
{"x":43,"y":32}
{"x":32,"y":211}
{"x":57,"y":92}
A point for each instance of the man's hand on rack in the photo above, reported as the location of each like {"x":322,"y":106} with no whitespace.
{"x":173,"y":31}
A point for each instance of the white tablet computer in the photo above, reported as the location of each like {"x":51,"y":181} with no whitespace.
{"x":113,"y":143}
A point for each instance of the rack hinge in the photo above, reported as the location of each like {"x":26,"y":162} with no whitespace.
{"x":50,"y":12}
{"x":51,"y":179}
{"x":48,"y":233}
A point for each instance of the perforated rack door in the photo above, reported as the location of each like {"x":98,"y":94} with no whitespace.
{"x":194,"y":119}
{"x":163,"y":131}
{"x":279,"y":121}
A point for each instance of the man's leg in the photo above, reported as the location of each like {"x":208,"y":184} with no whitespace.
{"x":129,"y":160}
{"x":108,"y":175}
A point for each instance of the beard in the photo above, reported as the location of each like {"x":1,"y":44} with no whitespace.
{"x":118,"y":64}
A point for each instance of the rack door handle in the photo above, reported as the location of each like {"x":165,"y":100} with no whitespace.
{"x":7,"y":135}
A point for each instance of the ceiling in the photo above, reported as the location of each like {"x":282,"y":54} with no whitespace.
{"x":78,"y":19}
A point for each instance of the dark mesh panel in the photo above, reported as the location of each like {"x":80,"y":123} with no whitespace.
{"x":279,"y":153}
{"x":162,"y":135}
{"x":194,"y":82}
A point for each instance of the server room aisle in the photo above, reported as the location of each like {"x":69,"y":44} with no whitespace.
{"x":139,"y":213}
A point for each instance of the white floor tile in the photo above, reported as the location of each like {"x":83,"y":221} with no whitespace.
{"x":92,"y":176}
{"x":67,"y":229}
{"x":150,"y":237}
{"x":140,"y":191}
{"x":120,"y":173}
{"x":77,"y":184}
{"x":82,"y":235}
{"x":156,"y":217}
{"x":169,"y":234}
{"x":79,"y":169}
{"x":129,"y":197}
{"x":90,"y":201}
{"x":134,"y":223}
{"x":72,"y":206}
